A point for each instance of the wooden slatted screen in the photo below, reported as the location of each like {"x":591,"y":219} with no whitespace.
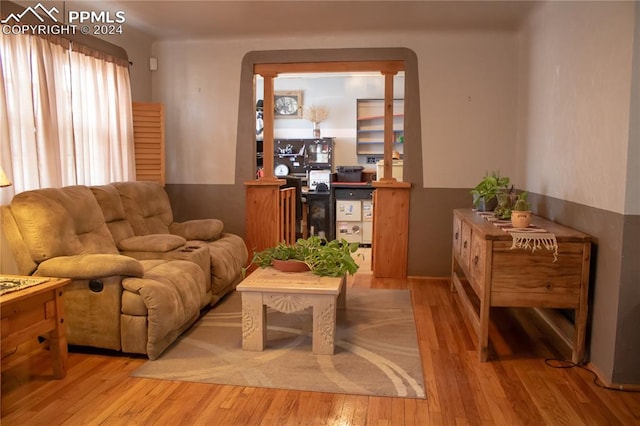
{"x":287,"y":224}
{"x":148,"y":137}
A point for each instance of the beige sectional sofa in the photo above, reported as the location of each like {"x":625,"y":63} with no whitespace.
{"x":135,"y":284}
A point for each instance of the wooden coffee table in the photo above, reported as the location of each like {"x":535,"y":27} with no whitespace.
{"x":37,"y":311}
{"x":290,"y":292}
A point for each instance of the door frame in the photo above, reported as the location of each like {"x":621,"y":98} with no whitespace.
{"x":324,"y":60}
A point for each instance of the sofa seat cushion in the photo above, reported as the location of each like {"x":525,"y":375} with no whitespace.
{"x":171,"y":291}
{"x":199,"y":229}
{"x":157,"y":243}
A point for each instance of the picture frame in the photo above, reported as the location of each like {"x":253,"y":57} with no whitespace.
{"x":287,"y":103}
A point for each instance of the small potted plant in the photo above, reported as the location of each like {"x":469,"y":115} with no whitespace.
{"x":485,"y":192}
{"x":505,"y":202}
{"x":521,"y":212}
{"x":322,"y":257}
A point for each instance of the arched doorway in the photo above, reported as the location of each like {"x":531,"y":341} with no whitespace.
{"x":393,"y":197}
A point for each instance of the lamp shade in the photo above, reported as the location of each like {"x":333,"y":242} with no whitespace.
{"x":4,"y":181}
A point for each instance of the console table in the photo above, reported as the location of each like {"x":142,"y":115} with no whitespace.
{"x":35,"y":311}
{"x":487,"y":272}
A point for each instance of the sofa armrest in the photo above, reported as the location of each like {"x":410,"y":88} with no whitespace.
{"x":90,"y":266}
{"x":156,"y":243}
{"x":198,"y":229}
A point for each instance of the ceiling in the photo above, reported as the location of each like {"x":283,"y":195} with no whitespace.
{"x":233,"y":19}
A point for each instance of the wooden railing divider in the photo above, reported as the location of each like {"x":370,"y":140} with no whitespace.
{"x":287,"y":222}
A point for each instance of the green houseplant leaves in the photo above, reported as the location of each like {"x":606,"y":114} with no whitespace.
{"x":487,"y":189}
{"x":324,"y":258}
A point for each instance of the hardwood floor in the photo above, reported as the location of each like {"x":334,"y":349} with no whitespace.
{"x":515,"y":388}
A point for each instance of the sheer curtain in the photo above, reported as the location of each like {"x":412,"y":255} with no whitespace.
{"x":102,"y":118}
{"x":65,"y":116}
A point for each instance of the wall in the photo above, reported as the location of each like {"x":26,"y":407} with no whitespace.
{"x":138,"y":47}
{"x":199,"y":83}
{"x":578,"y":153}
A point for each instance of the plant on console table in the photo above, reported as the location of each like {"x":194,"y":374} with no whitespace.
{"x":521,"y":211}
{"x":322,"y":257}
{"x":316,"y":114}
{"x":487,"y":190}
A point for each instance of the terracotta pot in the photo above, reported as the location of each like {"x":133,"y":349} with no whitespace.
{"x":520,"y":219}
{"x":290,"y":265}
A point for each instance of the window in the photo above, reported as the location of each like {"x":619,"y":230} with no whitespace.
{"x":65,"y":113}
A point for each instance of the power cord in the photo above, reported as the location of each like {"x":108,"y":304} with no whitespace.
{"x":561,"y":363}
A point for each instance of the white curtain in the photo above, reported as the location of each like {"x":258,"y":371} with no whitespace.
{"x":65,"y":116}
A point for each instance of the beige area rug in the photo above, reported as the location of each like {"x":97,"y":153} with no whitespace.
{"x":376,"y":350}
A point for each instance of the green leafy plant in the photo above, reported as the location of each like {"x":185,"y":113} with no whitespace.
{"x":521,"y":203}
{"x":325,"y":258}
{"x":488,"y":188}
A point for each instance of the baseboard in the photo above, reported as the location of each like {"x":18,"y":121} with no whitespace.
{"x":612,"y":385}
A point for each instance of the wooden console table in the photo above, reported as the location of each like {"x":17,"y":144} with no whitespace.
{"x":36,"y":311}
{"x":486,"y":272}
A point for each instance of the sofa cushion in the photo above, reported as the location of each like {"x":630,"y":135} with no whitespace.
{"x":228,"y":257}
{"x":113,"y":211}
{"x":171,"y":291}
{"x":155,"y":243}
{"x":199,"y":229}
{"x":61,"y":222}
{"x":90,"y":266}
{"x":147,"y":207}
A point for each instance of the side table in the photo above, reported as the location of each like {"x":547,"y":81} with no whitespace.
{"x":289,"y":292}
{"x":35,"y":311}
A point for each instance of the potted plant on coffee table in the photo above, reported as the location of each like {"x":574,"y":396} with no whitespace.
{"x":322,"y":257}
{"x":521,"y":211}
{"x":485,"y":192}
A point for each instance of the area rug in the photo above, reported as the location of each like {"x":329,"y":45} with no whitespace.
{"x":376,"y":350}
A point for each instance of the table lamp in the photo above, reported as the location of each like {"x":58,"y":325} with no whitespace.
{"x":4,"y":181}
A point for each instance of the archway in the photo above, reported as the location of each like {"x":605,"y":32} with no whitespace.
{"x":390,"y":193}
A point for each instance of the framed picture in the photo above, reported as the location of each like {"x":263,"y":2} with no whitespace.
{"x":287,"y":103}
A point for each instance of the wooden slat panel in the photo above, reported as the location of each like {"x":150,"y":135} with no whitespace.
{"x":148,"y":136}
{"x":287,"y":225}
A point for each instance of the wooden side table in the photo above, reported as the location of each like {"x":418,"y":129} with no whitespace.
{"x":35,"y":311}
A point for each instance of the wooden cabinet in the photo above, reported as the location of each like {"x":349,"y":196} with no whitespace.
{"x":487,"y":272}
{"x":370,"y":126}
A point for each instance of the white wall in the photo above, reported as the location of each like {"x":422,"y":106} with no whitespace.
{"x":138,"y":47}
{"x":574,"y":107}
{"x":468,"y":98}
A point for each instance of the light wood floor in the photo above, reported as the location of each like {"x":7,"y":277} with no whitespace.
{"x":515,"y":388}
